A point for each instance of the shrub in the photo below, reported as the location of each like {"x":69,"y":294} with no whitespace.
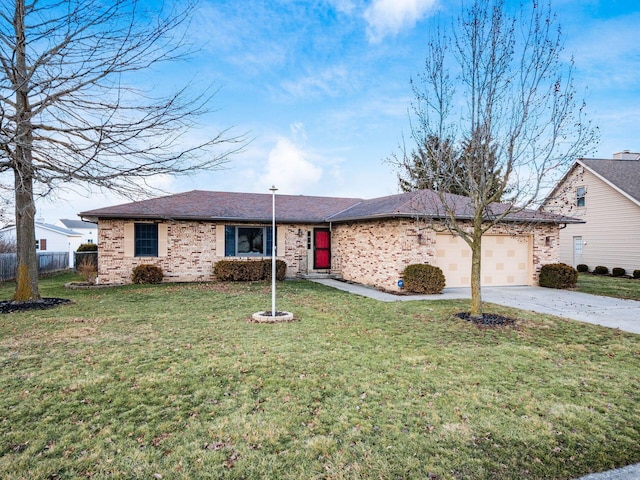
{"x":146,"y":273}
{"x":248,"y":270}
{"x":558,"y":275}
{"x":636,"y":274}
{"x":88,"y":270}
{"x":582,"y":268}
{"x":88,"y":247}
{"x":618,"y":272}
{"x":600,"y":270}
{"x":422,"y":278}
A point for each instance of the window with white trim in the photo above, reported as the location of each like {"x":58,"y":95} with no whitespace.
{"x":580,"y":196}
{"x":247,"y":241}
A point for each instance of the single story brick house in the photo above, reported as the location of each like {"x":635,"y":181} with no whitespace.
{"x":365,"y":241}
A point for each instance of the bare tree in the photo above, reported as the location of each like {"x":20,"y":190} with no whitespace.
{"x":74,"y":108}
{"x":496,"y":86}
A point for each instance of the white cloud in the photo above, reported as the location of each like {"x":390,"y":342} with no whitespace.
{"x":343,"y":6}
{"x":329,"y":82}
{"x":389,"y":17}
{"x":290,"y":169}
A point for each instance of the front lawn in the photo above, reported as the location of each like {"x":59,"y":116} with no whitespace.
{"x":172,"y":382}
{"x":609,"y":286}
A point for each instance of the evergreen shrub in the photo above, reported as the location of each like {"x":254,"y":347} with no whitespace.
{"x":147,"y":273}
{"x":558,"y":275}
{"x":618,"y":272}
{"x":248,"y":270}
{"x":422,"y":278}
{"x":601,"y":270}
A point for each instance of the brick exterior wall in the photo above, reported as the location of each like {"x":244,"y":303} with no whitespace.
{"x":376,"y":252}
{"x":191,"y":251}
{"x":372,"y":253}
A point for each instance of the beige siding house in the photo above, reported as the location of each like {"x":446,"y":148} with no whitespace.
{"x":365,"y":241}
{"x":605,"y":194}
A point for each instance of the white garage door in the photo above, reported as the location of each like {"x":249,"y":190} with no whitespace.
{"x":505,"y":260}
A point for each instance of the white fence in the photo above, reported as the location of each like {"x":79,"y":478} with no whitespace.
{"x":47,"y":262}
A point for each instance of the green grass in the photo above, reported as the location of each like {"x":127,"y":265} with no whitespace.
{"x":172,"y":381}
{"x":609,"y":286}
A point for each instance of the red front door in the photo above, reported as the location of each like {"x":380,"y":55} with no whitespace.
{"x":321,"y":249}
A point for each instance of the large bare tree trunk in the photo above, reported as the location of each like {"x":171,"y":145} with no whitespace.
{"x":27,"y":265}
{"x":27,"y":268}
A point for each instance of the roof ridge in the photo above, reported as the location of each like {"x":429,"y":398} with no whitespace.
{"x":344,"y":210}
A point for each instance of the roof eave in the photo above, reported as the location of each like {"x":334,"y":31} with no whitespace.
{"x":93,"y":218}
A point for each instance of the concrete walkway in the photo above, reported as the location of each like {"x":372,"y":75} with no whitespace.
{"x":605,"y":311}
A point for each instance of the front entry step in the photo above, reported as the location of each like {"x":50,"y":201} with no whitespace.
{"x":319,"y":275}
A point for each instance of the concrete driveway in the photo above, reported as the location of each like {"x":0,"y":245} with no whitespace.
{"x":605,"y":311}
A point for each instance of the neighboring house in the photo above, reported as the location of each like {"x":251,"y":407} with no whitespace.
{"x":89,"y":231}
{"x":365,"y":241}
{"x":605,"y":194}
{"x":49,"y":238}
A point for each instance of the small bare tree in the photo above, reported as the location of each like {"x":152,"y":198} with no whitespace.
{"x":74,"y":108}
{"x":495,"y":86}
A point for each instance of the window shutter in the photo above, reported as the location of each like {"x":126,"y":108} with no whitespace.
{"x":129,"y":236}
{"x":281,"y":234}
{"x":163,"y":234}
{"x":43,"y":244}
{"x":229,"y":241}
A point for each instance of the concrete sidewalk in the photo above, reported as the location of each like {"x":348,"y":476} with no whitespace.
{"x":605,"y":311}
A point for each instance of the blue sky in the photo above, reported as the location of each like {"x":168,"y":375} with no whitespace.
{"x":322,"y":88}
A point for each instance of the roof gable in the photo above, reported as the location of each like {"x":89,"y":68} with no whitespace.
{"x":622,"y":175}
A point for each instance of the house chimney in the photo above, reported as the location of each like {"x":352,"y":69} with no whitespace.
{"x":626,"y":155}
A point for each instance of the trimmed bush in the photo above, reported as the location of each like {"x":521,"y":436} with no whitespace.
{"x":88,"y":247}
{"x":422,"y":278}
{"x":146,"y":273}
{"x":636,"y":274}
{"x":582,"y":268}
{"x":618,"y":272}
{"x":558,"y":275}
{"x":601,"y":270}
{"x":248,"y":270}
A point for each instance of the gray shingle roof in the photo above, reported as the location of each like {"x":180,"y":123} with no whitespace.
{"x":428,"y":203}
{"x":74,"y":224}
{"x":203,"y":205}
{"x":624,"y":174}
{"x":256,"y":207}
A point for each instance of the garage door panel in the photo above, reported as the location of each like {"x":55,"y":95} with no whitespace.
{"x":505,"y":260}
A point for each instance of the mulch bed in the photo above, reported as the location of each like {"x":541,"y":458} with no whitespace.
{"x":487,"y":320}
{"x":9,"y":306}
